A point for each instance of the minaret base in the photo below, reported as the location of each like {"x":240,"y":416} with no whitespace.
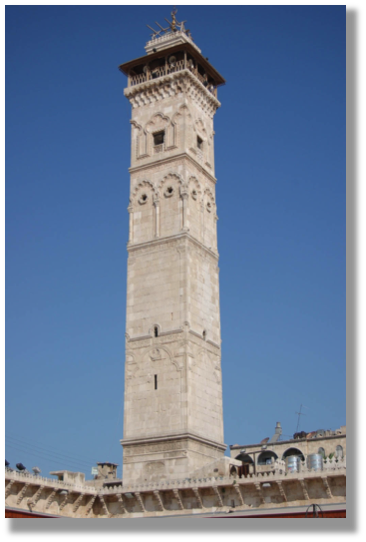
{"x":168,"y":457}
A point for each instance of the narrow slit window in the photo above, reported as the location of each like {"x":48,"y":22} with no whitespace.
{"x":156,"y":331}
{"x":158,"y":138}
{"x":199,"y":143}
{"x":155,"y":382}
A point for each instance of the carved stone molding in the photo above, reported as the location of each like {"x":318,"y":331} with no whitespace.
{"x":8,"y":488}
{"x":140,"y":501}
{"x":217,"y":493}
{"x":159,"y":499}
{"x":64,"y":501}
{"x":327,"y":487}
{"x":50,"y":499}
{"x":141,"y":185}
{"x":104,"y":506}
{"x":36,"y":496}
{"x":77,"y":502}
{"x":121,"y":501}
{"x":258,"y":487}
{"x":155,"y":90}
{"x":89,"y":507}
{"x":238,"y":491}
{"x":282,"y":491}
{"x":178,"y":497}
{"x":22,"y":493}
{"x":304,"y":488}
{"x":155,"y":354}
{"x":168,"y":241}
{"x":198,"y":496}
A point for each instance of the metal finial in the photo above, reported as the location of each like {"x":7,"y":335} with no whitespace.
{"x":174,"y":25}
{"x":174,"y":20}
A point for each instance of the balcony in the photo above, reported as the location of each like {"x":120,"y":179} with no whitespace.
{"x":178,"y":66}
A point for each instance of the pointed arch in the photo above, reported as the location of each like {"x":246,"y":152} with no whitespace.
{"x":145,"y":183}
{"x":194,"y":184}
{"x":155,"y":354}
{"x":170,"y":204}
{"x":182,"y":124}
{"x":209,"y":219}
{"x":138,"y":140}
{"x":158,"y":123}
{"x":142,"y":212}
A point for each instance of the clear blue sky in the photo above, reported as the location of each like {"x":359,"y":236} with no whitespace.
{"x":280,"y":165}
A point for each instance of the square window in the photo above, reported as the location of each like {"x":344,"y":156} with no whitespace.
{"x":158,"y":138}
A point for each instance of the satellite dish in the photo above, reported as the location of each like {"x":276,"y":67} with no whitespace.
{"x":36,"y":470}
{"x":20,"y":467}
{"x":144,"y":69}
{"x":172,"y":60}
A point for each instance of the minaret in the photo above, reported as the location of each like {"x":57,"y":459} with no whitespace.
{"x":173,"y":421}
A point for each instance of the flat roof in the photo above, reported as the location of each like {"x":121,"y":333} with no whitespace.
{"x":291,"y":441}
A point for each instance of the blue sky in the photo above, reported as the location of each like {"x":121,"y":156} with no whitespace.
{"x":280,"y":165}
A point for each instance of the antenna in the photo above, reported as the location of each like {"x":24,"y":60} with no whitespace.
{"x":299,"y":414}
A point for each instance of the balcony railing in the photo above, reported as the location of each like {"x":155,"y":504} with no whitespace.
{"x":166,"y":70}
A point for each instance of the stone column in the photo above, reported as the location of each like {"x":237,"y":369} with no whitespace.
{"x":157,"y":217}
{"x":184,"y":196}
{"x":130,"y":233}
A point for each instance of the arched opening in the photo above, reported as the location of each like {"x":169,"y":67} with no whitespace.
{"x":233,"y":471}
{"x":266,"y":458}
{"x":321,"y":452}
{"x":339,"y":452}
{"x":247,"y":461}
{"x":293,"y":452}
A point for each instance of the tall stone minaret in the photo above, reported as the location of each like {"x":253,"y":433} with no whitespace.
{"x":173,"y":422}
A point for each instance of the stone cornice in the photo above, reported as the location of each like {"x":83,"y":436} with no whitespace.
{"x":154,"y":162}
{"x":161,"y":334}
{"x":169,"y":85}
{"x":164,"y":240}
{"x":172,"y":436}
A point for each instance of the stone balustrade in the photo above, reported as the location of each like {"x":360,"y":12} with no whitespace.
{"x":167,"y":70}
{"x":277,"y":471}
{"x":33,"y":479}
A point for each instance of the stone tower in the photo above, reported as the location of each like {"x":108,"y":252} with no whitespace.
{"x":173,"y":421}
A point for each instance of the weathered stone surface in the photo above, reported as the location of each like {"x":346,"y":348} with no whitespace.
{"x":173,"y":394}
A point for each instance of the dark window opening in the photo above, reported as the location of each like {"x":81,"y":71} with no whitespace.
{"x":156,"y":381}
{"x":158,"y":138}
{"x":204,"y":335}
{"x":156,"y":331}
{"x":199,"y":143}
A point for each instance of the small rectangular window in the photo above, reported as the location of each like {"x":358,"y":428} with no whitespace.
{"x":199,"y":143}
{"x":158,"y":138}
{"x":156,"y":381}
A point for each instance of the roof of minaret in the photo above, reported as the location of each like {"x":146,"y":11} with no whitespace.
{"x":173,"y":24}
{"x":176,"y":38}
